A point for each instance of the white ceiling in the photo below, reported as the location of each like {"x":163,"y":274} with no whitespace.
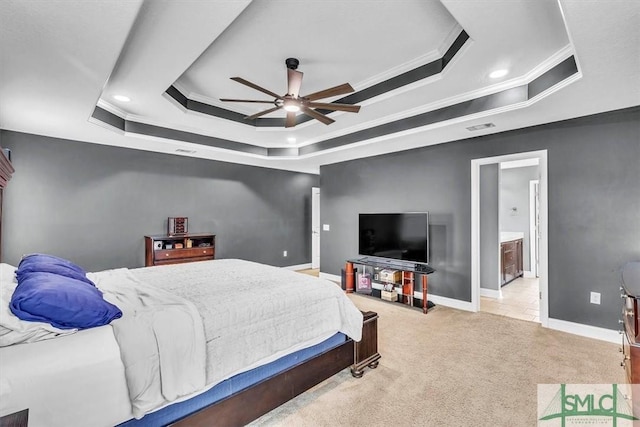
{"x":59,"y":59}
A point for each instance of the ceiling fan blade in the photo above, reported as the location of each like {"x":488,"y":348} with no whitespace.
{"x":291,"y":120}
{"x":245,"y":100}
{"x":255,"y":86}
{"x":334,"y":91}
{"x":318,"y":116}
{"x":262,"y":113}
{"x":335,"y":107}
{"x":294,"y":79}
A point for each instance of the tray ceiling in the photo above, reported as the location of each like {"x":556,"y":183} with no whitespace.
{"x":420,"y":70}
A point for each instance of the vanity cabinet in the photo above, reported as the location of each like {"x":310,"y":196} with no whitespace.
{"x":510,"y":261}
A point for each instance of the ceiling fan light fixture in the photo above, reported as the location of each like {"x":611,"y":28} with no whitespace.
{"x":291,"y":106}
{"x":292,"y":102}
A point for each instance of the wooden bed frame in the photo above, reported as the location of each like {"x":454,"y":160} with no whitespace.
{"x":251,"y":403}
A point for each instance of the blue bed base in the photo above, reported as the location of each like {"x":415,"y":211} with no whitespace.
{"x":233,"y":385}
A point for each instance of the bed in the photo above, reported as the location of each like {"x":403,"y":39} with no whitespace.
{"x":195,"y":343}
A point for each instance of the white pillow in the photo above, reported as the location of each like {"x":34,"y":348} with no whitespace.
{"x":14,"y":330}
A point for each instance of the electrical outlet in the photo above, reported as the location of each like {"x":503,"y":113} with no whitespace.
{"x":326,"y":227}
{"x":284,"y":253}
{"x":595,"y":297}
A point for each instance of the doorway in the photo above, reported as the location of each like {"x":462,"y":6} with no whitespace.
{"x":542,"y":232}
{"x":517,"y":293}
{"x":315,"y":228}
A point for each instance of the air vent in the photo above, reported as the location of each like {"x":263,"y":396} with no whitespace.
{"x":185,"y":151}
{"x":482,"y":126}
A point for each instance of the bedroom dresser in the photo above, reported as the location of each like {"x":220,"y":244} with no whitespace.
{"x":179,"y":248}
{"x":631,"y":321}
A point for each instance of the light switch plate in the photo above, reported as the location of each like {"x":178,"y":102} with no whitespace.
{"x":325,"y":227}
{"x":595,"y":298}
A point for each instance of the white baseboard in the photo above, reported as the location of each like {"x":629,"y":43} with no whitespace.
{"x":588,"y":331}
{"x":298,"y":267}
{"x":450,"y":302}
{"x":332,"y":277}
{"x":490,"y":293}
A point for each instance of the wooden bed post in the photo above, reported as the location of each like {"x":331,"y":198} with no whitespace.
{"x":365,"y":352}
{"x":6,"y":170}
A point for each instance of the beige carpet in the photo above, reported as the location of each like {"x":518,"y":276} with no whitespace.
{"x":451,"y":368}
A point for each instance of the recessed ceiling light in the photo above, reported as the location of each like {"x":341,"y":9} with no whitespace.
{"x":499,"y":73}
{"x":291,"y":140}
{"x":121,"y":98}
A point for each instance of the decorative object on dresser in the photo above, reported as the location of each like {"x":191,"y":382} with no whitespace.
{"x":175,"y":249}
{"x":177,"y":225}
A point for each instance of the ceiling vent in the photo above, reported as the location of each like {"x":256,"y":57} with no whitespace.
{"x":185,"y":151}
{"x":482,"y":126}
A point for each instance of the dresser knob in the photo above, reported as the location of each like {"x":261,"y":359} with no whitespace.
{"x":620,"y":321}
{"x":166,"y":254}
{"x":623,"y":296}
{"x":622,"y":364}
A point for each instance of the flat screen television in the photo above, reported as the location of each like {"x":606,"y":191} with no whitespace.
{"x":402,"y":236}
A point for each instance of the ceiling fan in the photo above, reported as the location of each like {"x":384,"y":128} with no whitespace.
{"x":292,"y":102}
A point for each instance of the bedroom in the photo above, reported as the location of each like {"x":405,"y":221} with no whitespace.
{"x":93,"y":203}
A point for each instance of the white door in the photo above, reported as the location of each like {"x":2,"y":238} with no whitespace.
{"x":535,"y":268}
{"x":315,"y":227}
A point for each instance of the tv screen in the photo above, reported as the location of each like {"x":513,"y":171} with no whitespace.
{"x":403,"y":236}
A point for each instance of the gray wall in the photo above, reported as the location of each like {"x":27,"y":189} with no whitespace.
{"x":514,"y":193}
{"x":93,"y":204}
{"x":489,"y":220}
{"x":594,"y":205}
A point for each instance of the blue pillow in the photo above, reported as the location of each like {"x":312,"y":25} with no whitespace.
{"x":62,"y":301}
{"x":51,"y":264}
{"x":36,"y":258}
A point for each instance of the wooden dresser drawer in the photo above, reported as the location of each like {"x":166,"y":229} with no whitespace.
{"x":183,"y":253}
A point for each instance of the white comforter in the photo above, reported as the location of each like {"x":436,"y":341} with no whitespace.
{"x":161,"y":340}
{"x":251,"y":314}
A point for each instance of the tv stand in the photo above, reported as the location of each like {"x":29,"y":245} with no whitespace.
{"x":409,"y":272}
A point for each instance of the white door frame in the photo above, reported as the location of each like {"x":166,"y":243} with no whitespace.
{"x":315,"y":227}
{"x":533,"y":230}
{"x":475,"y":227}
